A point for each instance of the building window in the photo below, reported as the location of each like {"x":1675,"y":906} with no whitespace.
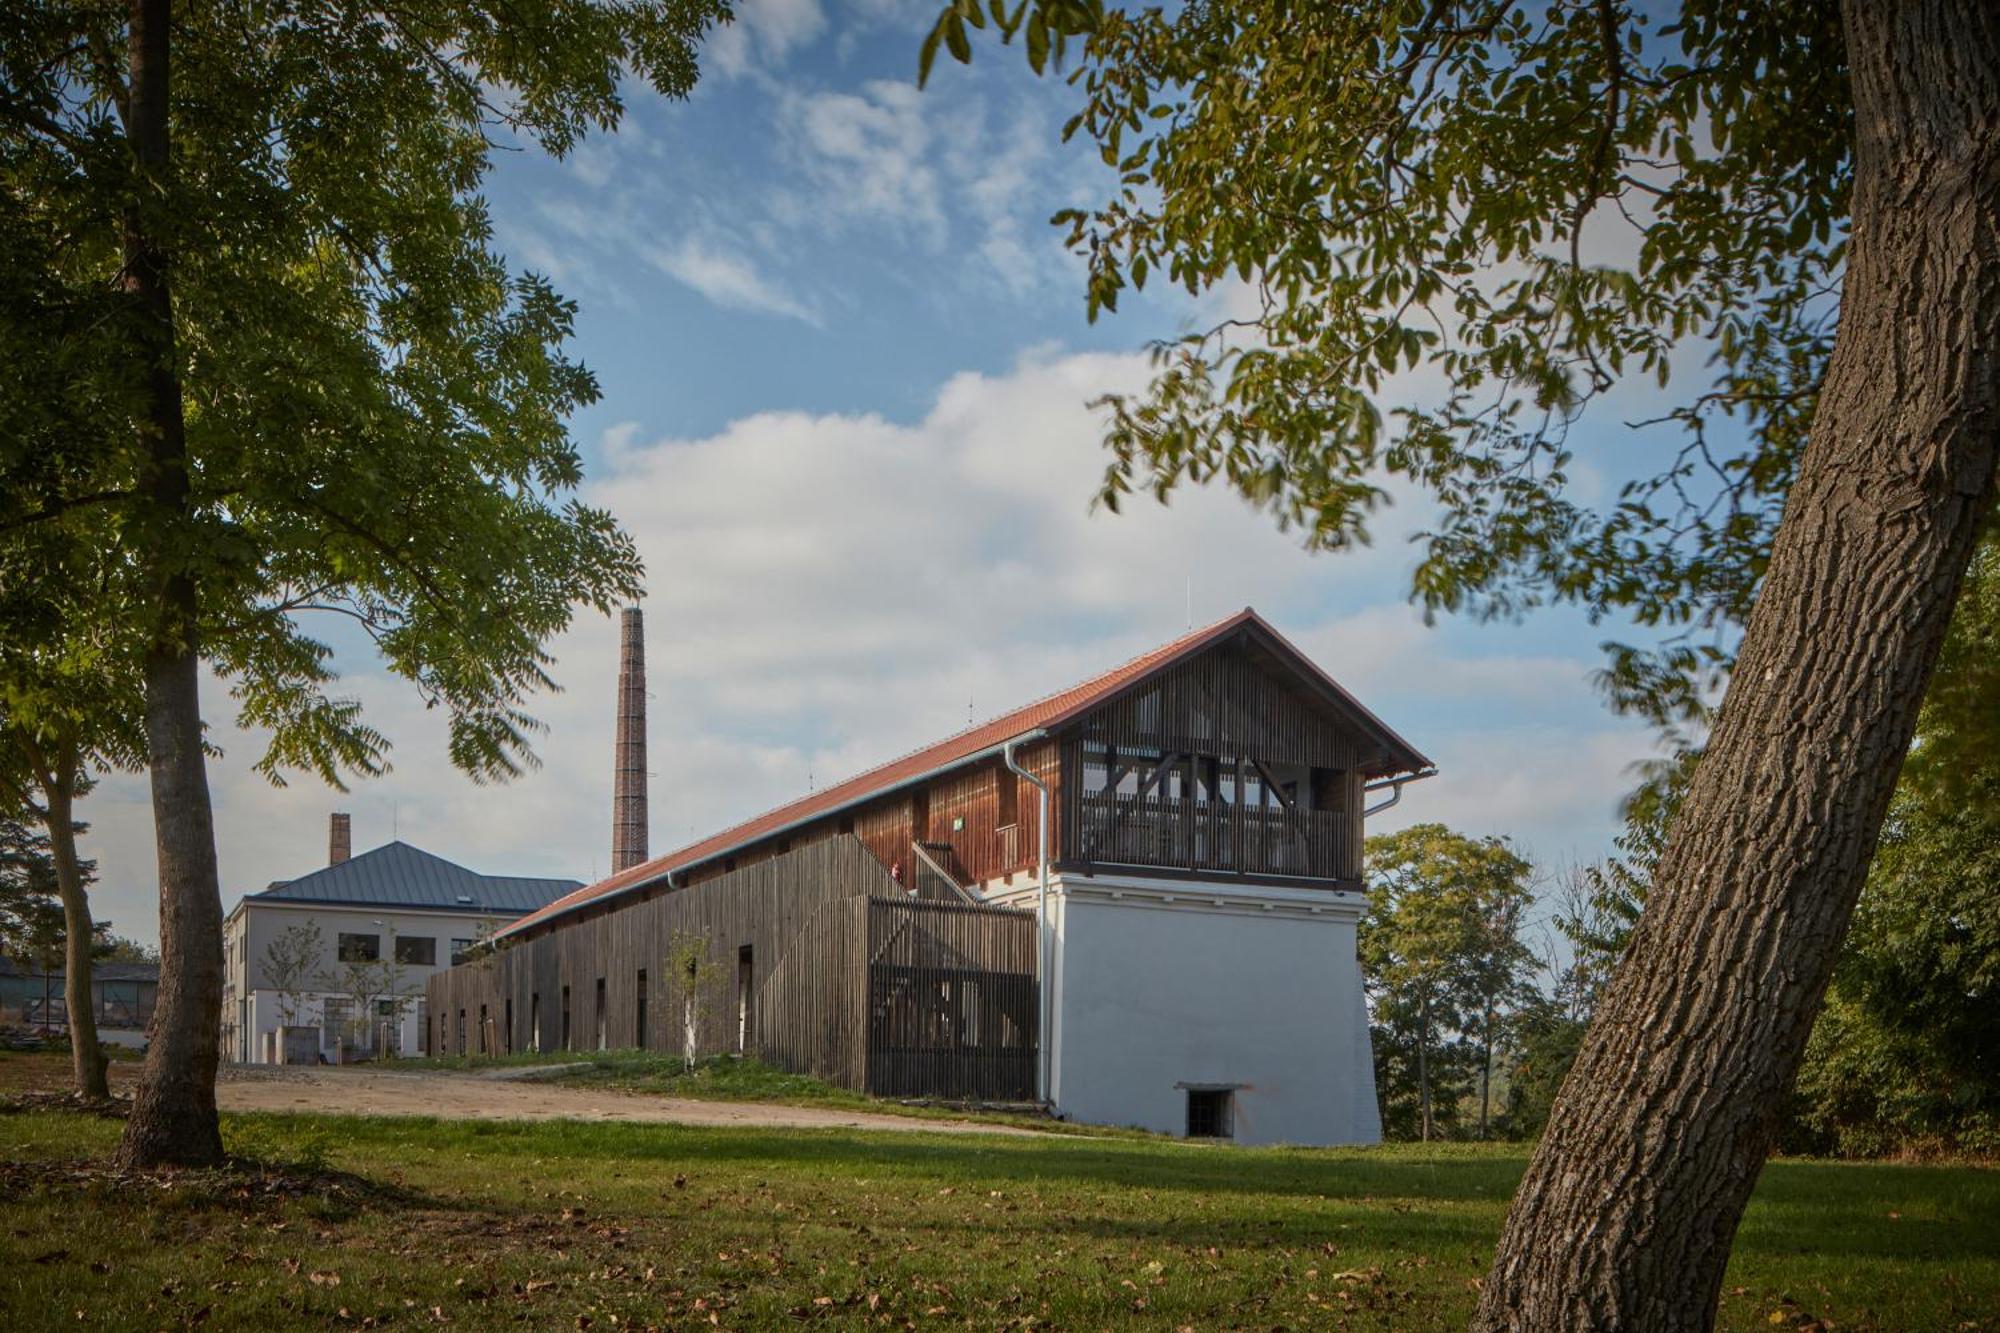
{"x":535,"y":1021}
{"x":565,"y":1020}
{"x":359,"y":948}
{"x":1208,"y":1113}
{"x":458,"y":948}
{"x":507,"y":1032}
{"x":746,"y":970}
{"x":639,"y":1028}
{"x":603,"y":1027}
{"x":419,"y":950}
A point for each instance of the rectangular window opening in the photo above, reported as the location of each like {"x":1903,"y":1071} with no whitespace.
{"x":603,"y":1028}
{"x":745,"y":970}
{"x":640,"y":1027}
{"x":359,"y":948}
{"x":565,"y":1020}
{"x":416,"y":950}
{"x":1209,"y":1113}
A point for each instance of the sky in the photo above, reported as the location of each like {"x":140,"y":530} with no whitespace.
{"x":846,"y":378}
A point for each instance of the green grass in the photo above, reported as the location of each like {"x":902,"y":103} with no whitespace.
{"x":601,"y":1225}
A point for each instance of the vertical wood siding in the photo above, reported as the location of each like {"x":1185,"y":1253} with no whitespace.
{"x":818,"y":922}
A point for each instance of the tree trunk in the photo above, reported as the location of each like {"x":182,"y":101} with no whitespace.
{"x":86,"y":1056}
{"x":1424,"y":1066}
{"x":173,"y":1117}
{"x":1486,"y":1069}
{"x":1629,"y":1207}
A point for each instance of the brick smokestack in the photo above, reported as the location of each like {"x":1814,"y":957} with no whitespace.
{"x":339,"y":839}
{"x":628,"y":791}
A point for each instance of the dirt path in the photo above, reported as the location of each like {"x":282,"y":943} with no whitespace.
{"x":453,"y":1096}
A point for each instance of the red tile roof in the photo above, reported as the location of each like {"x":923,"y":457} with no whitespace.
{"x":974,"y":742}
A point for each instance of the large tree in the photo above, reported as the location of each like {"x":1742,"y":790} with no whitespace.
{"x":1533,"y":204}
{"x":314,"y":386}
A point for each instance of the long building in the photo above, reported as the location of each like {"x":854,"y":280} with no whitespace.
{"x":1159,"y":869}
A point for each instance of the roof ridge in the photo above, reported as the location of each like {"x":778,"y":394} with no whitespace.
{"x":1030,"y":705}
{"x":668,"y":862}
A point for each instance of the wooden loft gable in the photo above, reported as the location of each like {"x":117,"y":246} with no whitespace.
{"x":1250,"y":692}
{"x":1238,"y":758}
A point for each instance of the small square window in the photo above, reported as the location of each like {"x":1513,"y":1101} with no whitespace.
{"x":1208,"y":1113}
{"x":416,"y":950}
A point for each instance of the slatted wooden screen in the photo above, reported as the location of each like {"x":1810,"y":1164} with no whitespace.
{"x":951,"y":1001}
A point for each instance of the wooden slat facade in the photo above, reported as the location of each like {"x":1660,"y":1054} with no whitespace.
{"x":794,"y":943}
{"x":541,"y":993}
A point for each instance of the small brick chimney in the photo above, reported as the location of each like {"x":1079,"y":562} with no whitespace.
{"x":628,"y":787}
{"x":339,"y":839}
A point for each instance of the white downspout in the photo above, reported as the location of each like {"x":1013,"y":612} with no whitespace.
{"x":1043,"y":1009}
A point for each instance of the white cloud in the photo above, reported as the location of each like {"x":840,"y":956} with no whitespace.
{"x":764,"y":34}
{"x":865,"y":156}
{"x":726,"y":278}
{"x":826,"y":592}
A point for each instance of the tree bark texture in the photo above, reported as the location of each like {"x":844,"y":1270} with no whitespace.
{"x":79,"y":935}
{"x":173,"y":1120}
{"x":1629,"y":1207}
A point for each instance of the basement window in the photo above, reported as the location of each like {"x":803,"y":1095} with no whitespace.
{"x":1210,"y":1113}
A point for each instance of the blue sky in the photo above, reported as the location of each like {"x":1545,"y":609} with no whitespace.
{"x":845,"y":372}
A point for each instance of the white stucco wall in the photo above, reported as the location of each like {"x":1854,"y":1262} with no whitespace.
{"x":251,"y":1007}
{"x":1161,"y":983}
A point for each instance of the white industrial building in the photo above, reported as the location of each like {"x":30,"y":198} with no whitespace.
{"x":342,"y":955}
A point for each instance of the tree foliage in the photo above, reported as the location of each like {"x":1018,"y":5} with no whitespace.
{"x":1446,"y":970}
{"x":375,"y":403}
{"x":1445,"y":233}
{"x":31,"y":913}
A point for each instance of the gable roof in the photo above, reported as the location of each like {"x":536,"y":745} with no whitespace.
{"x":399,"y":875}
{"x":983,"y":741}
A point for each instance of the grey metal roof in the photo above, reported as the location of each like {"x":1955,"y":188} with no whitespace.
{"x":399,"y":875}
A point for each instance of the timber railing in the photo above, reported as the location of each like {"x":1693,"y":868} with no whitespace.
{"x":1215,"y":835}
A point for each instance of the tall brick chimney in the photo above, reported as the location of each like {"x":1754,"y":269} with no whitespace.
{"x":339,"y":840}
{"x":628,"y":789}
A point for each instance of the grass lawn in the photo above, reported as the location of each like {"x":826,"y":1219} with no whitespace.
{"x":729,"y":1079}
{"x":602,"y":1225}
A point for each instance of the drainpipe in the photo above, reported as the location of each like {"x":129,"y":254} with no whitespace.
{"x":1042,"y":1006}
{"x":1395,"y":786}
